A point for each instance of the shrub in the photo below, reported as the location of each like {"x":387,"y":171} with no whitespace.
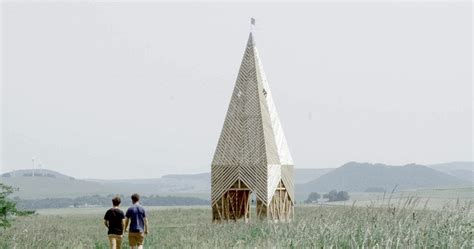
{"x":7,"y":207}
{"x":333,"y":195}
{"x":313,"y":197}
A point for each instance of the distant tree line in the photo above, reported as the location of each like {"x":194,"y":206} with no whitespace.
{"x":333,"y":195}
{"x":37,"y":174}
{"x":105,"y":201}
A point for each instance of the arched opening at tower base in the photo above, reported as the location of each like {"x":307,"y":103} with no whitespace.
{"x":280,"y":208}
{"x":234,"y":204}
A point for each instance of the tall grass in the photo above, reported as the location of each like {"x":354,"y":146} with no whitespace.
{"x":396,"y":225}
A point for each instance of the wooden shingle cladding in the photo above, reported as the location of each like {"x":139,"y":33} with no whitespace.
{"x":252,"y":154}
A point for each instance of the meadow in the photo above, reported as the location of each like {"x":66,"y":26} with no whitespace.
{"x":432,"y":198}
{"x":405,"y":224}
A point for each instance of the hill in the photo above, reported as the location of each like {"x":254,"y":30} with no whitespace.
{"x":52,"y":184}
{"x":37,"y":173}
{"x":49,"y":184}
{"x":357,"y":177}
{"x":307,"y":175}
{"x":462,"y":170}
{"x":196,"y":184}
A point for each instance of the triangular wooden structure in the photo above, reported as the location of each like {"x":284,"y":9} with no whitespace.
{"x":252,"y":154}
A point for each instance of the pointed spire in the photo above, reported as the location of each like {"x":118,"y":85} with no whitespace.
{"x":251,"y":40}
{"x":252,"y":29}
{"x":252,"y":147}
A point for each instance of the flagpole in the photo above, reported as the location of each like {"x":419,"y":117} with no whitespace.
{"x":252,"y":24}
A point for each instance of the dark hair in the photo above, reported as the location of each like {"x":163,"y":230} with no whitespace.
{"x":116,"y":201}
{"x":135,"y":197}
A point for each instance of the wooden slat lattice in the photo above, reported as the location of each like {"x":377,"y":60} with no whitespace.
{"x":252,"y":151}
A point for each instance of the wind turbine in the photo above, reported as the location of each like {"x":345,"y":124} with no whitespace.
{"x":33,"y":161}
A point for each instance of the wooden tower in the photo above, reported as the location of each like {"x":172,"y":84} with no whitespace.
{"x":252,"y":155}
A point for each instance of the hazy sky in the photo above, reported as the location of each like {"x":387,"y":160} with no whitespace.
{"x":135,"y":90}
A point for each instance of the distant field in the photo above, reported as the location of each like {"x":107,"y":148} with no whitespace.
{"x":423,"y":198}
{"x":314,"y":226}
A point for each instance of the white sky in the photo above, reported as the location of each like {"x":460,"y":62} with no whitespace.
{"x":135,"y":90}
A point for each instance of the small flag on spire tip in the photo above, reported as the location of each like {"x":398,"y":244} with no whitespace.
{"x":252,"y":21}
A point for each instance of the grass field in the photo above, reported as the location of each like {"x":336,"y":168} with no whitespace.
{"x":406,"y":226}
{"x":434,"y":199}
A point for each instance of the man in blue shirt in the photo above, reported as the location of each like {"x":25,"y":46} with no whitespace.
{"x":136,"y":217}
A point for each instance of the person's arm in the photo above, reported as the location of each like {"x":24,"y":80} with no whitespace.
{"x":106,"y":219}
{"x":126,"y":225}
{"x":146,"y":225}
{"x":127,"y":220}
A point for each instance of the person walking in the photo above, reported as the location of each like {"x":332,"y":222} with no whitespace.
{"x":114,"y":221}
{"x":136,"y":217}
